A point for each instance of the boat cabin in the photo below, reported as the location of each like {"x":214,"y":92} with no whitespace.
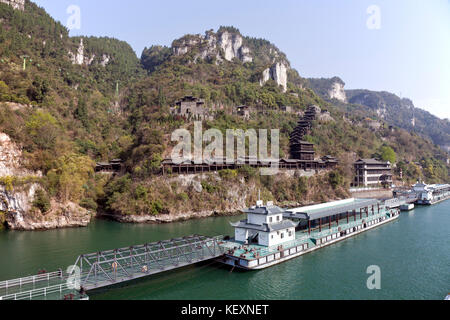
{"x":264,"y":226}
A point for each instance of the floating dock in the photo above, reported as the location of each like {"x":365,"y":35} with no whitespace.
{"x":270,"y":236}
{"x":431,"y":194}
{"x":407,"y":207}
{"x":318,"y":226}
{"x":108,"y":268}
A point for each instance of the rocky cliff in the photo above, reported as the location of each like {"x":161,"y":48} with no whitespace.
{"x":16,"y":4}
{"x":402,"y":113}
{"x":396,"y":111}
{"x":83,"y":58}
{"x":18,"y":189}
{"x":225,"y":45}
{"x":329,"y":89}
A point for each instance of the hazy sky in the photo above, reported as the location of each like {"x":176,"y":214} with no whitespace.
{"x":401,"y":46}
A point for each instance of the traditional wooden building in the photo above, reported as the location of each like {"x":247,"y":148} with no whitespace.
{"x":300,"y":149}
{"x":372,"y":172}
{"x":191,"y":108}
{"x":286,"y":109}
{"x":114,"y":165}
{"x":244,"y":112}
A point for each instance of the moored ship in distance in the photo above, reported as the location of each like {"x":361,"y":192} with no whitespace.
{"x":432,"y":193}
{"x":271,"y":235}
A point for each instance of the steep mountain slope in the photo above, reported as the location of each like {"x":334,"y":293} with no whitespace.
{"x":61,"y":113}
{"x":387,"y":106}
{"x":329,"y":89}
{"x":62,"y":110}
{"x":402,"y":113}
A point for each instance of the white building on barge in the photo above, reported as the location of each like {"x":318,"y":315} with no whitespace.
{"x":318,"y":226}
{"x":431,"y":193}
{"x":264,"y":226}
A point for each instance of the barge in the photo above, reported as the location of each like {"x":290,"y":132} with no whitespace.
{"x":407,"y":207}
{"x":271,"y":235}
{"x":431,"y":194}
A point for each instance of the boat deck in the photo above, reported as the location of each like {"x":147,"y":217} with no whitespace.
{"x":254,"y":251}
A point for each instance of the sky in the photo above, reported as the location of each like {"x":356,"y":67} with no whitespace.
{"x":400,"y":46}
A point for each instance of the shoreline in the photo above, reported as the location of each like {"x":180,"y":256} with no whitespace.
{"x":165,"y":218}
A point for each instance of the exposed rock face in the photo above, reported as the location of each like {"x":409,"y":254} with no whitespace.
{"x":326,"y":117}
{"x":329,"y":89}
{"x":278,"y":73}
{"x":10,"y":157}
{"x":232,"y":45}
{"x":227,"y":44}
{"x":80,"y":58}
{"x":16,"y":4}
{"x":212,"y":45}
{"x":266,"y":76}
{"x":61,"y":216}
{"x":14,"y":106}
{"x":337,"y":91}
{"x":17,"y":201}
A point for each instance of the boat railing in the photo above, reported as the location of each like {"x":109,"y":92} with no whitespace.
{"x":342,"y":227}
{"x":30,"y":280}
{"x":39,"y":293}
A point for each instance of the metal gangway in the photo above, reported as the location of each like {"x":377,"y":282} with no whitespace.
{"x":111,"y":267}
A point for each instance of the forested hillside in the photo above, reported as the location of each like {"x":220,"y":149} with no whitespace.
{"x":388,"y":107}
{"x":81,"y":100}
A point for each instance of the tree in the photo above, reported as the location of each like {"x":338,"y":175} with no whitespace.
{"x":81,"y":113}
{"x":41,"y":201}
{"x":388,"y":154}
{"x":43,"y":129}
{"x":335,"y":179}
{"x":71,"y":175}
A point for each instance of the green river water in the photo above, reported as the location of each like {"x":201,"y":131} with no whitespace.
{"x":412,"y":252}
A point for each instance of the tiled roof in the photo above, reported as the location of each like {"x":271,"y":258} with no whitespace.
{"x":266,"y":210}
{"x":371,"y":161}
{"x":285,"y":224}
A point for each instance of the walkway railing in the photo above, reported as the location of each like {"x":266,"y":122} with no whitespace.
{"x":106,"y":268}
{"x":114,"y":266}
{"x":30,"y":280}
{"x":344,"y":226}
{"x":53,"y":292}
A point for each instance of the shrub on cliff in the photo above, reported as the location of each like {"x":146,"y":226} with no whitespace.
{"x":335,"y":179}
{"x":89,"y":204}
{"x":41,"y":201}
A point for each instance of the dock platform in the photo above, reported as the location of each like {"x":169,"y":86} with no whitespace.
{"x":107,"y":268}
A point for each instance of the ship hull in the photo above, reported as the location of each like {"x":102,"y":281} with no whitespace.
{"x":281,"y":257}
